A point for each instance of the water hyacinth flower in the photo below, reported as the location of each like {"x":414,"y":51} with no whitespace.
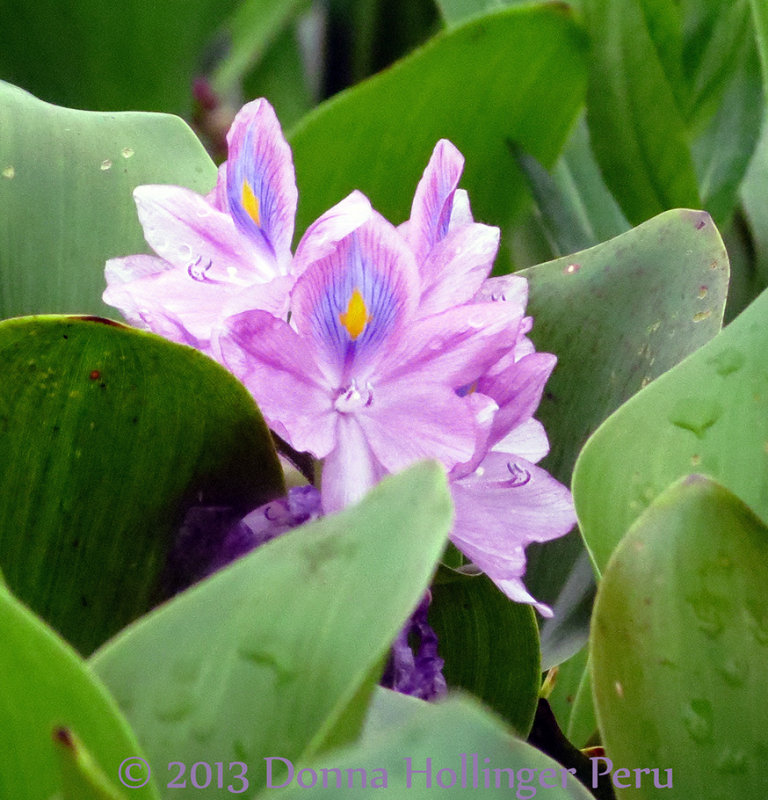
{"x":228,"y":251}
{"x":359,"y":378}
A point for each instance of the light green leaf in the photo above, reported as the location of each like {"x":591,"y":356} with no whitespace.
{"x":66,"y":179}
{"x":444,"y":749}
{"x":107,"y":435}
{"x":48,"y":693}
{"x":708,"y":414}
{"x":680,"y":632}
{"x":456,"y":11}
{"x":266,"y":656}
{"x":521,"y":73}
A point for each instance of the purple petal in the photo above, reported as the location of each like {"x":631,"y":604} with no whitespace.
{"x":351,"y":469}
{"x":506,"y":504}
{"x":411,"y":419}
{"x":185,"y":230}
{"x":457,"y":266}
{"x":517,"y":390}
{"x":457,"y":346}
{"x":433,"y":200}
{"x":324,"y":234}
{"x":153,"y":295}
{"x":279,"y":370}
{"x":353,"y":300}
{"x":528,"y":440}
{"x":512,"y":289}
{"x":261,"y":182}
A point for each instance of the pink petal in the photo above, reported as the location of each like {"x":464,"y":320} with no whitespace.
{"x":324,"y":234}
{"x":457,"y":266}
{"x":461,"y":213}
{"x":511,"y":289}
{"x":433,"y":200}
{"x":184,"y":229}
{"x":260,"y":158}
{"x":153,"y":295}
{"x":350,"y":469}
{"x":374,"y":262}
{"x":279,"y":370}
{"x":410,"y":419}
{"x":500,"y":509}
{"x":457,"y":346}
{"x":517,"y":390}
{"x":528,"y":440}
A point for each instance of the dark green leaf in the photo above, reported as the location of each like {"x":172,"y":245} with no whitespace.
{"x":106,"y":435}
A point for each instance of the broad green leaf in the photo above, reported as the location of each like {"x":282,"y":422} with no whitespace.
{"x":90,"y":54}
{"x":726,"y":105}
{"x":107,"y":434}
{"x":754,"y":199}
{"x":521,"y":72}
{"x":81,"y":777}
{"x":617,"y":316}
{"x":251,"y":30}
{"x":760,"y":20}
{"x":48,"y":693}
{"x":709,"y":414}
{"x":678,"y":652}
{"x":637,"y":130}
{"x":266,"y":656}
{"x":490,"y":647}
{"x":447,"y":749}
{"x":571,"y":700}
{"x":456,"y":11}
{"x":66,"y":179}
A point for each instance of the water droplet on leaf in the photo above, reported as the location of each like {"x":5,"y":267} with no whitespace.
{"x":727,"y":362}
{"x":697,"y":718}
{"x":696,"y":415}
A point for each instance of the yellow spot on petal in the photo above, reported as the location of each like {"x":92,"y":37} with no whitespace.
{"x":251,"y":203}
{"x":356,"y":317}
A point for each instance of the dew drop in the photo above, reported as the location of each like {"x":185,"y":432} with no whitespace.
{"x":127,"y":152}
{"x":572,"y":269}
{"x":734,"y":672}
{"x":9,"y":172}
{"x":695,"y":415}
{"x":697,"y":718}
{"x":727,"y":362}
{"x":707,"y":607}
{"x":106,"y":164}
{"x":174,"y":706}
{"x":731,"y":762}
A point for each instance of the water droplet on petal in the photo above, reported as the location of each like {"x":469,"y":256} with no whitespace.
{"x":697,"y":718}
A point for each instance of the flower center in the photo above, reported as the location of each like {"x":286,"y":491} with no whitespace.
{"x":353,"y":398}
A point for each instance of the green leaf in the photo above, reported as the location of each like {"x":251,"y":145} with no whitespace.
{"x":521,"y":73}
{"x":266,"y":656}
{"x":708,"y":414}
{"x":679,"y":647}
{"x":47,"y":693}
{"x":453,"y":742}
{"x":617,"y":316}
{"x":571,"y":700}
{"x":107,"y":434}
{"x":66,"y":179}
{"x":456,"y":11}
{"x":760,"y":20}
{"x":490,"y":647}
{"x":88,"y":54}
{"x":637,"y":130}
{"x":251,"y":30}
{"x":81,"y":776}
